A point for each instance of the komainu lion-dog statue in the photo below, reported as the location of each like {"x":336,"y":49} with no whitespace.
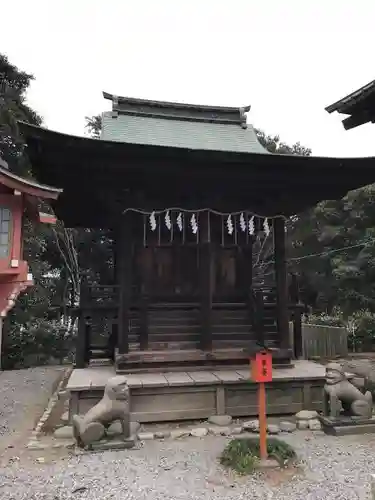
{"x":114,"y":405}
{"x":342,"y":394}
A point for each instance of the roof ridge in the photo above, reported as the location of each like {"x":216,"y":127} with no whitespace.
{"x":136,"y":100}
{"x":174,"y":110}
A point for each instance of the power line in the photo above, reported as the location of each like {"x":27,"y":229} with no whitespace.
{"x":329,"y":252}
{"x":322,"y":254}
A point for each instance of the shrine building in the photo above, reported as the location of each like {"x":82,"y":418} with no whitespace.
{"x":196,"y":208}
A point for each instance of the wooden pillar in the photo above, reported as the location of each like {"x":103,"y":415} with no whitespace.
{"x":297,"y":320}
{"x":125,"y":267}
{"x":115,"y":254}
{"x":81,"y":345}
{"x":144,"y":321}
{"x":205,"y":265}
{"x":259,"y":317}
{"x":246,"y":270}
{"x":281,"y":282}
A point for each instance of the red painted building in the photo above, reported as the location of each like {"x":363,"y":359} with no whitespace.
{"x":17,"y":197}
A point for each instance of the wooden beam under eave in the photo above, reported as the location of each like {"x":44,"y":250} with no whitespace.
{"x":358,"y":119}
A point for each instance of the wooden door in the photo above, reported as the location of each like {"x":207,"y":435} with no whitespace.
{"x":169,"y":273}
{"x":228,"y":275}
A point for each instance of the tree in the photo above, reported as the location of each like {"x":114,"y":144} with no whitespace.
{"x":13,"y":87}
{"x":37,"y":307}
{"x":274,"y":145}
{"x":94,"y":125}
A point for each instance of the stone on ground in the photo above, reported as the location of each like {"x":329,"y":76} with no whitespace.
{"x":65,"y":432}
{"x":65,"y":417}
{"x":236,"y":430}
{"x":115,"y":429}
{"x":251,"y":425}
{"x":199,"y":432}
{"x":302,"y":424}
{"x":219,"y":431}
{"x":273,"y":429}
{"x":145,"y":436}
{"x":222,"y":420}
{"x":162,"y":434}
{"x":287,"y":426}
{"x":315,"y":425}
{"x":306,"y":414}
{"x":179,"y":433}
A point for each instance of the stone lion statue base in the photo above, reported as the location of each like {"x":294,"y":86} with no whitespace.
{"x":91,"y":428}
{"x":340,"y":394}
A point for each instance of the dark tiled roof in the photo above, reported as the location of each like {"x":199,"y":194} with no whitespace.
{"x":360,"y":105}
{"x":139,"y":121}
{"x":180,"y":133}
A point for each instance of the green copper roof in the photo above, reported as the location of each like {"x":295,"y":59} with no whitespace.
{"x":137,"y":121}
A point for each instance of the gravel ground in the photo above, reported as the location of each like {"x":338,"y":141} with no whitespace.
{"x":333,"y":469}
{"x":23,"y":397}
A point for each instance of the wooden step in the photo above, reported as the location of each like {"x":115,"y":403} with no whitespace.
{"x":174,"y":337}
{"x":180,"y":359}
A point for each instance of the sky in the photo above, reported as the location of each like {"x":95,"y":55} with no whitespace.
{"x":289,"y":59}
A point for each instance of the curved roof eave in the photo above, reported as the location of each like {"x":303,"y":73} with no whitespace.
{"x":41,"y":133}
{"x":27,"y":186}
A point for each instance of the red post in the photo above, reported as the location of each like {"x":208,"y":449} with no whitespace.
{"x":261,"y":372}
{"x":262,"y":420}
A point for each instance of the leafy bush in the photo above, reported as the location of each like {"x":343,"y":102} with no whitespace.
{"x":242,"y":455}
{"x":336,"y":318}
{"x":360,"y":326}
{"x":37,"y":343}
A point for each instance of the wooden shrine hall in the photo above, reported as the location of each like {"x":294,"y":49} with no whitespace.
{"x":195,"y":208}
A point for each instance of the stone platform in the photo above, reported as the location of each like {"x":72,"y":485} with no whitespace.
{"x":194,"y":395}
{"x":347,"y":426}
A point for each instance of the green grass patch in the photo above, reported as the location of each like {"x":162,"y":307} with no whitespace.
{"x":242,"y":455}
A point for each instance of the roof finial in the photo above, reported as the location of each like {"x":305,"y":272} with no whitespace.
{"x":243,"y":111}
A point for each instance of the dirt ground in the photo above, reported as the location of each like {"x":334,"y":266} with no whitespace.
{"x":24,"y":395}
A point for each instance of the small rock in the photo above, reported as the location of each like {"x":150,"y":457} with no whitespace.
{"x":34,"y":445}
{"x":273,"y":429}
{"x":65,"y":432}
{"x":219,"y":431}
{"x":302,"y":424}
{"x":251,"y":425}
{"x":179,"y":433}
{"x":215,"y":431}
{"x":162,"y":434}
{"x":80,"y":489}
{"x":145,"y":436}
{"x":287,"y":427}
{"x":115,"y":429}
{"x":315,"y":425}
{"x":65,"y":417}
{"x":221,"y":420}
{"x":236,"y":430}
{"x":269,"y":463}
{"x":113,"y":444}
{"x":199,"y":432}
{"x":306,"y":414}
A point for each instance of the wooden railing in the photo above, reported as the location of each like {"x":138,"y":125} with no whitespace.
{"x":322,"y":341}
{"x":101,"y":301}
